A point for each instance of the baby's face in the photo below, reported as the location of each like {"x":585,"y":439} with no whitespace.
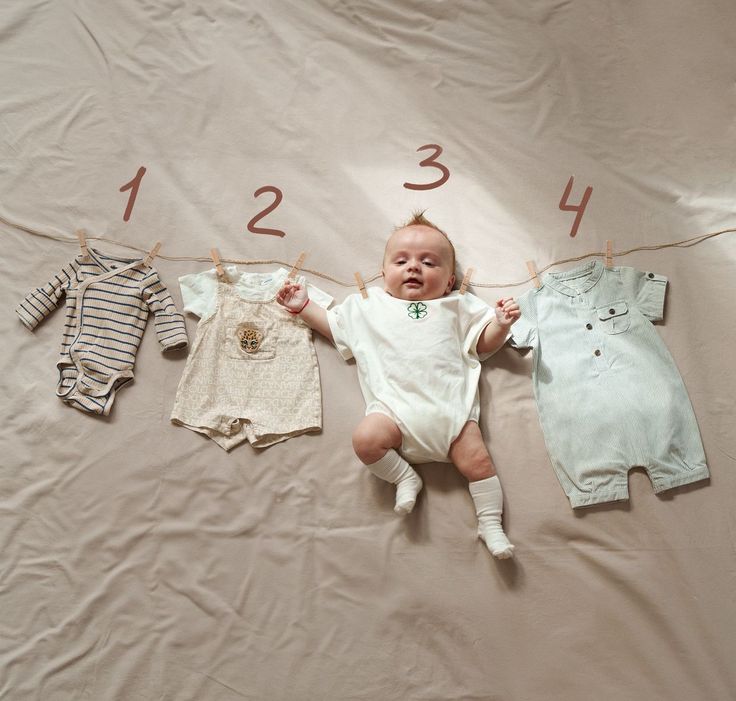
{"x":417,"y":264}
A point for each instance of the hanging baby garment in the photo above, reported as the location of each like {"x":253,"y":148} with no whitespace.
{"x":252,"y":372}
{"x":608,"y":393}
{"x":107,"y":304}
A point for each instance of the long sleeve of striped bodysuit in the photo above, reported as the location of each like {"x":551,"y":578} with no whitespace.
{"x":169,"y":323}
{"x":41,"y":301}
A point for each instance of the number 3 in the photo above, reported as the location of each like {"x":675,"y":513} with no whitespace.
{"x":431,"y":162}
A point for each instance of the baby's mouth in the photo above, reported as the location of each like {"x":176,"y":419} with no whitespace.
{"x":413,"y":282}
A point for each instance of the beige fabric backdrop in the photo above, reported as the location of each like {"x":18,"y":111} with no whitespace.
{"x":140,"y":561}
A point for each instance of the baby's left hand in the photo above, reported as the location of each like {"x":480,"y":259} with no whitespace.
{"x":507,"y":311}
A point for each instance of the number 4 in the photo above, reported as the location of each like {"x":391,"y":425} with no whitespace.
{"x":580,"y":209}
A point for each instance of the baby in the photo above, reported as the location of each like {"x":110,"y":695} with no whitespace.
{"x":418,"y":347}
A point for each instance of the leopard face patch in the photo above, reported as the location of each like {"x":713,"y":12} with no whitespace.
{"x":250,"y":338}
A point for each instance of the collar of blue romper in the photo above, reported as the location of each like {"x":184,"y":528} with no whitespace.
{"x":592,"y":271}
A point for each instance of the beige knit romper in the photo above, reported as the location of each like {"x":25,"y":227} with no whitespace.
{"x":252,"y":374}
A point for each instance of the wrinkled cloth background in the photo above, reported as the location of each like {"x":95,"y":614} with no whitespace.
{"x":140,"y":561}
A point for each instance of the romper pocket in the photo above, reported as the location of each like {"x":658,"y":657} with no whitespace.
{"x":614,"y":317}
{"x":251,"y":340}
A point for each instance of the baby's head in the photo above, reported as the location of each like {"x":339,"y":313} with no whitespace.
{"x":419,"y":261}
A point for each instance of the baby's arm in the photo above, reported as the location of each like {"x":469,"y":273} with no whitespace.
{"x":294,"y":297}
{"x":495,"y":332}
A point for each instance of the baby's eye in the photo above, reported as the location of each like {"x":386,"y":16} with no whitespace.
{"x":429,"y":263}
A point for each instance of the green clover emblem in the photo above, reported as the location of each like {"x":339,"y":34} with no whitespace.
{"x":417,"y":310}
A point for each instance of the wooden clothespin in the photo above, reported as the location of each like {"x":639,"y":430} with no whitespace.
{"x":218,"y":263}
{"x":83,"y":242}
{"x":297,"y":266}
{"x":466,"y":280}
{"x":152,"y":253}
{"x":609,"y":254}
{"x":361,"y":286}
{"x":533,"y":272}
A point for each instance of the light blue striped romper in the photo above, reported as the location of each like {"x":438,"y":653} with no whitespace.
{"x":608,"y":393}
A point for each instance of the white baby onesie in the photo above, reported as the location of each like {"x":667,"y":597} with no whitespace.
{"x":252,"y":373}
{"x":417,"y":363}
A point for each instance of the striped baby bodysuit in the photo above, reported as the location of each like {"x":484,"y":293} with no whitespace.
{"x":108,"y":300}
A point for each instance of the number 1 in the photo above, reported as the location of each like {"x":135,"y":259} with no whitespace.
{"x":133,"y":186}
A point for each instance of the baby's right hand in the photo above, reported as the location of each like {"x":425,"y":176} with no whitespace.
{"x":292,"y":295}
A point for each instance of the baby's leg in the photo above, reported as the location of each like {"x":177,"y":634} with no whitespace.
{"x":469,"y":454}
{"x":375,"y":441}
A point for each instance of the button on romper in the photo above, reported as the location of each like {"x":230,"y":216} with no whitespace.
{"x":608,"y":392}
{"x":252,"y":373}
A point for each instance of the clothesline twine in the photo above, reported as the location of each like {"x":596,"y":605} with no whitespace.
{"x":687,"y":243}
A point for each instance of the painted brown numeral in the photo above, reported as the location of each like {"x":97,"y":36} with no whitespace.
{"x":133,"y":186}
{"x":431,"y":162}
{"x":252,"y":223}
{"x":580,"y":209}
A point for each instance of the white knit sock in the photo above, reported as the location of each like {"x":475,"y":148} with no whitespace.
{"x":488,"y":498}
{"x":393,"y":468}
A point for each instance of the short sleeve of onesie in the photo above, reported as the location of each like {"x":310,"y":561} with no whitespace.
{"x":316,"y":295}
{"x":474,"y":316}
{"x":342,"y":319}
{"x":198,"y":292}
{"x":647,"y":290}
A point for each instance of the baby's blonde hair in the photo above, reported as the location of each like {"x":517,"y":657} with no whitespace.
{"x":418,"y":218}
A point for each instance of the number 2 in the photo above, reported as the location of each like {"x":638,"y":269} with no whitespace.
{"x":252,"y":223}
